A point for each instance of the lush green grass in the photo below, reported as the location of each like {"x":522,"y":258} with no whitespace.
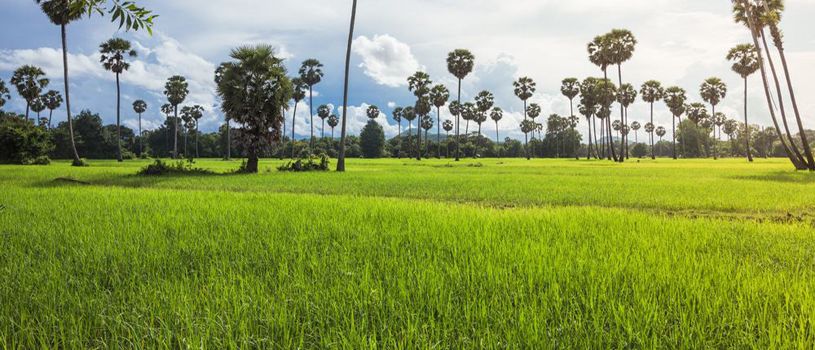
{"x":400,"y":254}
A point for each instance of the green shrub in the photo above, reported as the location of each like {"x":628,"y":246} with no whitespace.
{"x":178,"y":167}
{"x":41,"y":160}
{"x":311,"y":163}
{"x":22,"y":142}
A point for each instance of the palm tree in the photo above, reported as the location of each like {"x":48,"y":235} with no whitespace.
{"x":636,"y":126}
{"x":524,"y":88}
{"x":4,"y":93}
{"x":588,"y":108}
{"x":176,"y":90}
{"x":713,"y":91}
{"x":527,"y":126}
{"x":439,"y":95}
{"x":254,"y":89}
{"x":460,"y":63}
{"x":409,"y":114}
{"x":298,"y":95}
{"x":323,"y":112}
{"x":397,"y":117}
{"x":626,"y":96}
{"x":745,"y":60}
{"x":652,"y":92}
{"x":373,"y":112}
{"x":621,"y":49}
{"x":532,"y":111}
{"x":427,"y":124}
{"x":649,"y":128}
{"x":341,"y":158}
{"x":718,"y":119}
{"x":660,"y":131}
{"x":53,"y":100}
{"x":333,"y":121}
{"x":311,"y":74}
{"x":675,"y":98}
{"x":696,"y":112}
{"x":168,"y":110}
{"x":606,"y":96}
{"x":113,"y":58}
{"x":139,"y":106}
{"x":189,"y":125}
{"x":29,"y":81}
{"x":570,"y":87}
{"x":196,"y":114}
{"x":62,"y":12}
{"x":422,"y":111}
{"x":484,"y":101}
{"x":38,"y":105}
{"x":757,"y":17}
{"x":496,"y":115}
{"x":447,"y":126}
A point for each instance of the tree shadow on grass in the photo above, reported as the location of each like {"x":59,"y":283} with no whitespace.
{"x":802,"y":177}
{"x":127,"y":181}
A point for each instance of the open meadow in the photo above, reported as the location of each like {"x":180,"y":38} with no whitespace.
{"x":402,"y":254}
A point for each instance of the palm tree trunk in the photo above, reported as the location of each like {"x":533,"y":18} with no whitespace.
{"x":754,"y":33}
{"x":498,"y":153}
{"x":50,"y":114}
{"x":801,"y":130}
{"x":311,"y":116}
{"x":196,"y":139}
{"x":438,"y":132}
{"x":77,"y":161}
{"x":713,"y":113}
{"x":477,"y":141}
{"x":613,"y":155}
{"x":229,"y":140}
{"x":589,"y":150}
{"x":746,"y":126}
{"x":399,"y":139}
{"x":458,"y":123}
{"x":526,"y":136}
{"x":141,"y":141}
{"x":175,"y":133}
{"x":673,"y":120}
{"x":410,"y":134}
{"x":419,"y":139}
{"x":322,"y":129}
{"x":293,"y":122}
{"x":781,"y":104}
{"x":118,"y":120}
{"x":341,"y":158}
{"x":653,"y":154}
{"x":623,"y":119}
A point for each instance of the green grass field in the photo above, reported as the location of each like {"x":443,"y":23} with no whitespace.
{"x":405,"y":254}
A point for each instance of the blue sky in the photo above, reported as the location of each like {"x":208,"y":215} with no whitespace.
{"x":679,"y":43}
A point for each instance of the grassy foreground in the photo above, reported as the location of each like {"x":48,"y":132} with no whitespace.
{"x":401,"y":254}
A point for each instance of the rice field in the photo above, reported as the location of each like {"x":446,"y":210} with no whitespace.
{"x":405,"y":254}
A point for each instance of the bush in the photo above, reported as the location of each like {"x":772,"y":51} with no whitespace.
{"x":179,"y":167}
{"x":22,"y":142}
{"x":312,"y":163}
{"x":41,"y":160}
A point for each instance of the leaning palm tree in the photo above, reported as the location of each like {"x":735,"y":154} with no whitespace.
{"x":139,"y":106}
{"x":62,"y":12}
{"x":311,"y":74}
{"x":176,"y":90}
{"x":745,"y":60}
{"x":460,"y":63}
{"x":713,"y":91}
{"x":53,"y":100}
{"x":496,"y":115}
{"x":298,"y":95}
{"x":756,"y":16}
{"x":333,"y":121}
{"x":652,"y":92}
{"x":29,"y":81}
{"x":114,"y":53}
{"x":447,"y":126}
{"x":323,"y":112}
{"x":4,"y":93}
{"x":439,"y":95}
{"x":675,"y":98}
{"x":626,"y":96}
{"x":341,"y":157}
{"x":524,"y":88}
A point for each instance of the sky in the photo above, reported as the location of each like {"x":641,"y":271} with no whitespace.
{"x":679,"y":43}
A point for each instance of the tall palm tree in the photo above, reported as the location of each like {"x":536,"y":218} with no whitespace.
{"x":397,"y":117}
{"x":422,"y":111}
{"x":756,"y":18}
{"x":527,"y":126}
{"x":484,"y":101}
{"x":496,"y":115}
{"x":409,"y":114}
{"x":4,"y":93}
{"x":447,"y":126}
{"x":29,"y":81}
{"x":626,"y":96}
{"x":168,"y":110}
{"x":311,"y":74}
{"x":139,"y":106}
{"x":524,"y":88}
{"x":333,"y":121}
{"x":636,"y":126}
{"x":675,"y":98}
{"x":621,"y":49}
{"x":660,"y":131}
{"x":190,"y":115}
{"x":63,"y":12}
{"x":341,"y":158}
{"x":176,"y":90}
{"x":652,"y":92}
{"x":718,"y":119}
{"x":114,"y":53}
{"x":649,"y":129}
{"x":298,"y":95}
{"x":37,"y":106}
{"x":533,"y":111}
{"x":713,"y":91}
{"x":588,"y":108}
{"x":606,"y":96}
{"x":53,"y":100}
{"x":570,"y":87}
{"x":460,"y":63}
{"x":439,"y":95}
{"x":197,"y":114}
{"x":427,"y":124}
{"x":745,"y":60}
{"x":323,"y":112}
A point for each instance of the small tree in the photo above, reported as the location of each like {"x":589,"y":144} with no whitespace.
{"x":372,"y":140}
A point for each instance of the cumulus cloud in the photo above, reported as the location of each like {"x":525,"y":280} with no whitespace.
{"x":386,"y":60}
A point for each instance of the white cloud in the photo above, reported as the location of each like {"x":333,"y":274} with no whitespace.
{"x":386,"y":60}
